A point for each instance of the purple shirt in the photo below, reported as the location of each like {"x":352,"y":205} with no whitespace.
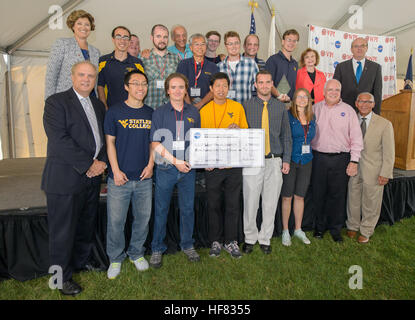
{"x":337,"y":130}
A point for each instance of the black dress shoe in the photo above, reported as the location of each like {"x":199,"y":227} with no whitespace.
{"x":337,"y":237}
{"x":247,"y":248}
{"x":70,"y":288}
{"x":90,"y":267}
{"x":265,"y":249}
{"x":318,"y":234}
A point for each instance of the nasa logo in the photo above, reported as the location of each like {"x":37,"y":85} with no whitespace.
{"x":342,"y":114}
{"x":316,"y":40}
{"x":196,"y":135}
{"x":335,"y":64}
{"x":337,"y":44}
{"x":380,"y":48}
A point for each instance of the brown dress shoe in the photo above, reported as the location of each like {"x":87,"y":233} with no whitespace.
{"x":351,"y":234}
{"x":362,"y":239}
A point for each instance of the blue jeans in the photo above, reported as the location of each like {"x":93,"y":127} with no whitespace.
{"x":167,"y":176}
{"x":118,"y":202}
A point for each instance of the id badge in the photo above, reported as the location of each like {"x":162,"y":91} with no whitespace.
{"x":195,"y":92}
{"x":160,"y":84}
{"x":305,"y":149}
{"x":178,"y":145}
{"x":231,"y":94}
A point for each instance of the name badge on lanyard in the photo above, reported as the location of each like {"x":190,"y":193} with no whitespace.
{"x":195,"y":92}
{"x":160,"y":83}
{"x":231,"y":94}
{"x":178,"y":145}
{"x":305,"y":148}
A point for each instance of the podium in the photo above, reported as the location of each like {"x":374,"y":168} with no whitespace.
{"x":400,"y":110}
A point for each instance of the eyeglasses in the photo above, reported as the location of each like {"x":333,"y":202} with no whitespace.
{"x":365,"y":101}
{"x":120,"y":37}
{"x":139,"y":84}
{"x":230,"y":44}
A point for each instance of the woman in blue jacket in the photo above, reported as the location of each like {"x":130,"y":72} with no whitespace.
{"x":296,"y":182}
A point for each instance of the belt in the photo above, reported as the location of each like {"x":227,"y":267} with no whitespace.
{"x":330,"y":154}
{"x":273,"y":155}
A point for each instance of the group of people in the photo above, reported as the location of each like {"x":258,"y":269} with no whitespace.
{"x":133,"y":121}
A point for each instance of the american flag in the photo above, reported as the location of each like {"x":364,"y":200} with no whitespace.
{"x":252,"y":29}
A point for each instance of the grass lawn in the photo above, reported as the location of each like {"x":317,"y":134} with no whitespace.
{"x":317,"y":271}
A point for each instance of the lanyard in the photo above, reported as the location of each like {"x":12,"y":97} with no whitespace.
{"x":305,"y":132}
{"x":223,"y":115}
{"x":164,"y":68}
{"x":181,"y":121}
{"x":200,"y":71}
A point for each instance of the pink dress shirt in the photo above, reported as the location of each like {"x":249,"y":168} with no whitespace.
{"x":337,"y":130}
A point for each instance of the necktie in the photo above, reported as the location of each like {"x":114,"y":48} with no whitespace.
{"x":92,"y":119}
{"x":358,"y":71}
{"x":363,"y":126}
{"x":265,"y":125}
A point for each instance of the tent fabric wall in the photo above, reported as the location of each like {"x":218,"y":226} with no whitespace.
{"x":28,"y":83}
{"x":3,"y":109}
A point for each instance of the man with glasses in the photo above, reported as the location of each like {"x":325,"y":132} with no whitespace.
{"x":213,"y":42}
{"x":240,"y":70}
{"x":374,"y":170}
{"x":336,"y":153}
{"x":198,"y":71}
{"x":127,"y":130}
{"x":282,"y":64}
{"x":114,"y":66}
{"x":360,"y":75}
{"x":159,"y":64}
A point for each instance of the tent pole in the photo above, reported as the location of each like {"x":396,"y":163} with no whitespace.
{"x":270,"y":11}
{"x":10,"y":114}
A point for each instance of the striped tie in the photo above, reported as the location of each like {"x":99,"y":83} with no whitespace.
{"x":92,"y":119}
{"x":265,"y":125}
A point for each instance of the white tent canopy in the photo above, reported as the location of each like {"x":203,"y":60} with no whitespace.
{"x":26,"y":36}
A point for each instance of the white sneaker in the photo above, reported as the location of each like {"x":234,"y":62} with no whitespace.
{"x":114,"y":270}
{"x":286,"y":239}
{"x":301,"y":235}
{"x":141,"y":264}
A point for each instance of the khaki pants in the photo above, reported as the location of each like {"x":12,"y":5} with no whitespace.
{"x":267,"y":182}
{"x":364,"y":203}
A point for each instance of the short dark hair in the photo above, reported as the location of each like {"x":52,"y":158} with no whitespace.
{"x":172,"y":76}
{"x":213,"y":32}
{"x":289,"y":32}
{"x":128,"y":75}
{"x":120,"y":27}
{"x":218,"y":76}
{"x":262,"y":72}
{"x":158,"y":25}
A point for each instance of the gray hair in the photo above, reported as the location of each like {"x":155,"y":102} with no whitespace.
{"x":174,"y":28}
{"x":196,"y":36}
{"x":325,"y":85}
{"x":84,"y":62}
{"x":368,"y":93}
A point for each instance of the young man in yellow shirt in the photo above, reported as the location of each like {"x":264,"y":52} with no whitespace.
{"x":223,"y":224}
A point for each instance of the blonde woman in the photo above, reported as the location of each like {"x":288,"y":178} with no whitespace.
{"x":66,"y":52}
{"x":296,"y":182}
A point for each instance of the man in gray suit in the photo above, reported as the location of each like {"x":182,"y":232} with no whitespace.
{"x":374,"y":170}
{"x":360,"y":75}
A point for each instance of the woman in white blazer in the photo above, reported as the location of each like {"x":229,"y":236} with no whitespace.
{"x":66,"y":52}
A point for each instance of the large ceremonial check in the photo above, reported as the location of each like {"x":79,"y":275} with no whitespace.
{"x":218,"y":148}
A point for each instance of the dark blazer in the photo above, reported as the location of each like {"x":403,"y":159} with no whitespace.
{"x":370,"y":81}
{"x":71,"y":143}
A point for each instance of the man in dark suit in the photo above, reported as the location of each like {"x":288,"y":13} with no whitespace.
{"x":359,"y":75}
{"x":71,"y":178}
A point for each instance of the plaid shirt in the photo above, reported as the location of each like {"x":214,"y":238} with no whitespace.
{"x":153,"y":66}
{"x":242,"y":80}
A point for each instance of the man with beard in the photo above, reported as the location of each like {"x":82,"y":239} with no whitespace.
{"x":159,"y":65}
